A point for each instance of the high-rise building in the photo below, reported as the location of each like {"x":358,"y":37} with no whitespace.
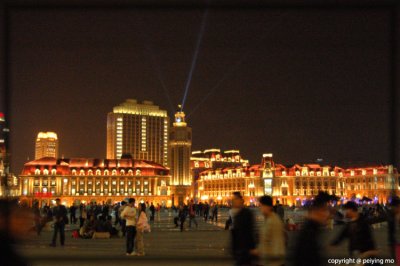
{"x":4,"y":131}
{"x":5,"y":185}
{"x":180,"y":145}
{"x":46,"y":145}
{"x":138,"y":129}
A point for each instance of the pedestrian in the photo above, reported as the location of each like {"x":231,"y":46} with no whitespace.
{"x":272,"y":236}
{"x":82,"y":215}
{"x":214,"y":216}
{"x":243,"y":233}
{"x":72,"y":211}
{"x":37,"y":218}
{"x":359,"y":233}
{"x":142,"y":226}
{"x":192,"y":214}
{"x":206,"y":211}
{"x":122,"y":221}
{"x":278,"y":209}
{"x":182,"y":216}
{"x":129,"y":214}
{"x":152,"y":212}
{"x":394,"y":228}
{"x":60,"y":219}
{"x":308,"y":249}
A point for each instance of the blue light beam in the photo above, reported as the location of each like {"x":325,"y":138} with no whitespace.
{"x":233,"y":69}
{"x":195,"y":55}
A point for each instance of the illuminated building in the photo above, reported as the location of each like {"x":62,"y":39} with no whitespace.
{"x":180,"y":144}
{"x":4,"y":131}
{"x":94,"y":180}
{"x":212,"y":159}
{"x":138,"y":129}
{"x":298,"y":183}
{"x":46,"y":145}
{"x":7,"y":181}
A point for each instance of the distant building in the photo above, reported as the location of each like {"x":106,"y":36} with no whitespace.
{"x":46,"y":145}
{"x":4,"y":132}
{"x":180,"y":144}
{"x":8,"y":182}
{"x":84,"y":180}
{"x":138,"y":129}
{"x":295,"y":185}
{"x":213,"y":159}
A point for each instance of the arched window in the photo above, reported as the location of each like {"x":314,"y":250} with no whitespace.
{"x":37,"y":172}
{"x":98,"y":172}
{"x":138,"y":172}
{"x":130,"y":172}
{"x":114,"y":172}
{"x":53,"y":171}
{"x":45,"y":172}
{"x":74,"y":171}
{"x":82,"y":172}
{"x":106,"y":172}
{"x":122,"y":172}
{"x":90,"y":172}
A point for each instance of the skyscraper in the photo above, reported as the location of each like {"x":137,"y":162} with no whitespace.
{"x":180,"y":145}
{"x":3,"y":136}
{"x":138,"y":129}
{"x":46,"y":145}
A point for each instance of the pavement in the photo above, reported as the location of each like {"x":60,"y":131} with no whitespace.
{"x":165,"y":245}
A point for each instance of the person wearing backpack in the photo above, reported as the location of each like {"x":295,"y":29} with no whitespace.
{"x":142,"y":226}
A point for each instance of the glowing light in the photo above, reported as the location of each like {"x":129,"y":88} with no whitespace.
{"x":47,"y":135}
{"x":194,"y":59}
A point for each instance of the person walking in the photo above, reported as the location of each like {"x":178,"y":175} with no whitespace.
{"x":243,"y":233}
{"x":308,"y":249}
{"x":272,"y":237}
{"x":142,"y":226}
{"x":214,"y":216}
{"x":122,"y":221}
{"x":278,"y":209}
{"x":82,"y":215}
{"x":206,"y":211}
{"x":182,"y":216}
{"x":129,"y":214}
{"x":37,"y":217}
{"x":358,"y":231}
{"x":60,"y":219}
{"x":72,"y":211}
{"x":152,"y":212}
{"x":394,"y":228}
{"x":192,"y":214}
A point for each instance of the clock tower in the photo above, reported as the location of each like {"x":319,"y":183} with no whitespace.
{"x":180,"y":145}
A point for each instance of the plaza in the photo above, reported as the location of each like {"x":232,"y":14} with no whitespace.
{"x":206,"y":245}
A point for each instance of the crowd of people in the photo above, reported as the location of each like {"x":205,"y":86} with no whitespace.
{"x":250,"y":245}
{"x":269,"y":245}
{"x":208,"y":212}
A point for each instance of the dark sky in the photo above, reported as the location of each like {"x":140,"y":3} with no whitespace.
{"x":300,"y":84}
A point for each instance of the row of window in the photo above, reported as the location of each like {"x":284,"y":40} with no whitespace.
{"x":52,"y":182}
{"x":90,"y":172}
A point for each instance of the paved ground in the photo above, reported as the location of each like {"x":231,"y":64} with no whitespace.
{"x":165,"y":245}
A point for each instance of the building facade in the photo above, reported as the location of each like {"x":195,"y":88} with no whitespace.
{"x":46,"y":145}
{"x":180,"y":145}
{"x":79,"y":180}
{"x":294,"y":185}
{"x":138,"y":129}
{"x":8,"y":182}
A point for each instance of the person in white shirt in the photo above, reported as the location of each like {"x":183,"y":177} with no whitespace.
{"x":142,"y":226}
{"x":129,"y":214}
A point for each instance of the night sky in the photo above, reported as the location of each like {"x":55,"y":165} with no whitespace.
{"x":300,"y":84}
